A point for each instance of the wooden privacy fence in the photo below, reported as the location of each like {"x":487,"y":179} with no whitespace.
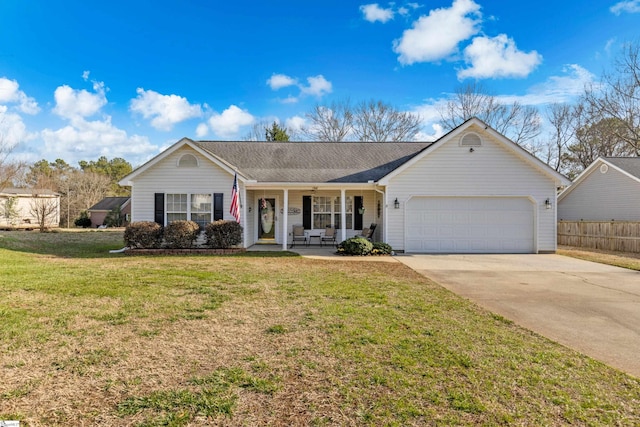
{"x":622,"y":236}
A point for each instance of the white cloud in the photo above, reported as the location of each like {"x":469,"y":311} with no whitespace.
{"x":494,"y":57}
{"x":318,"y":86}
{"x":295,"y":123}
{"x":75,"y":104}
{"x":564,"y":88}
{"x":228,"y":124}
{"x":12,"y":129}
{"x":373,"y":12}
{"x":437,"y":35}
{"x":202,"y":130}
{"x":630,"y":6}
{"x":10,"y":93}
{"x":91,"y":139}
{"x":278,"y":81}
{"x":164,"y":110}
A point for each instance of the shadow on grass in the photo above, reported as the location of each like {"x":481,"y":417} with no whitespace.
{"x":90,"y":243}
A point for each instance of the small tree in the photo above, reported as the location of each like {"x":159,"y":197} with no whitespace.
{"x":276,"y":133}
{"x":45,"y":211}
{"x":114,"y":218}
{"x":10,"y":211}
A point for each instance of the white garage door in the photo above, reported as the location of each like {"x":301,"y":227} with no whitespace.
{"x":469,"y":225}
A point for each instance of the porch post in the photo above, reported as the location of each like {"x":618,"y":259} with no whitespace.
{"x":285,"y":219}
{"x":343,"y":214}
{"x":243,"y":201}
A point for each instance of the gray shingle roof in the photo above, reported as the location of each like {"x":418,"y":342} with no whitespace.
{"x":28,"y":191}
{"x":314,"y":161}
{"x":630,"y":165}
{"x":109,"y":203}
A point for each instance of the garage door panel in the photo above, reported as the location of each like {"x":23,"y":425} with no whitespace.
{"x":470,"y":225}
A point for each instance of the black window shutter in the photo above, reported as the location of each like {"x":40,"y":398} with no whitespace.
{"x":218,"y":206}
{"x":357,"y":216}
{"x":306,"y":212}
{"x":158,"y":208}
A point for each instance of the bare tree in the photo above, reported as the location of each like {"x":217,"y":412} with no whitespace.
{"x":9,"y":170}
{"x":86,"y":189}
{"x":562,"y":121}
{"x":618,"y":97}
{"x":45,"y":209}
{"x":333,"y":123}
{"x":519,"y":123}
{"x":376,"y":121}
{"x":370,"y":121}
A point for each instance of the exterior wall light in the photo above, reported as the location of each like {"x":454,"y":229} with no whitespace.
{"x":547,"y":204}
{"x":396,"y":204}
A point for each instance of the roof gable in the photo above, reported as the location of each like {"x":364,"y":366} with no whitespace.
{"x":506,"y":143}
{"x":628,"y":166}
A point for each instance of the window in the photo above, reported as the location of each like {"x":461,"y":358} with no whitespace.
{"x":326,"y":212}
{"x":198,"y":209}
{"x":201,"y":209}
{"x":176,"y":207}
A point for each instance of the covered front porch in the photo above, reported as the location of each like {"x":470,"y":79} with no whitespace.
{"x":271,"y":212}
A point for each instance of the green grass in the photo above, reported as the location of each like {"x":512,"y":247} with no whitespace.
{"x":91,"y":338}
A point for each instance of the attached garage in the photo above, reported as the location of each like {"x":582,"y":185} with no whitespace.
{"x":470,"y":225}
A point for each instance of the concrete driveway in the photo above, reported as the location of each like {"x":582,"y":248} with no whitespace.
{"x":590,"y":307}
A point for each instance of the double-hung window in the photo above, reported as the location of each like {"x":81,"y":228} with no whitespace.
{"x":195,"y":207}
{"x":327,"y":211}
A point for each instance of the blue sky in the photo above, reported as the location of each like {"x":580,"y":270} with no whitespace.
{"x":126,"y":79}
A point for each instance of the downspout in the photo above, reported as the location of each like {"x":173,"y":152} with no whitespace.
{"x":384,"y":226}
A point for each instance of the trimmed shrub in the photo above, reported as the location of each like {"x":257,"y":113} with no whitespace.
{"x":143,"y":234}
{"x":380,"y":248}
{"x":181,"y":234}
{"x":83,"y":221}
{"x":223,"y":234}
{"x":355,"y":246}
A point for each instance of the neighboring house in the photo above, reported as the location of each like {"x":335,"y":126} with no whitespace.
{"x":472,"y":190}
{"x":100,"y":210}
{"x":23,"y":208}
{"x":608,"y":190}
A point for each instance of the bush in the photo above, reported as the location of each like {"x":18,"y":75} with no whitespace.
{"x":223,"y":234}
{"x":143,"y":234}
{"x":84,"y":221}
{"x":181,"y":234}
{"x":355,"y":246}
{"x":380,"y":248}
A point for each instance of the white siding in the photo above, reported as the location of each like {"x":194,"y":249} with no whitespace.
{"x":602,"y":197}
{"x":167,"y":177}
{"x":490,"y":170}
{"x":25,"y":217}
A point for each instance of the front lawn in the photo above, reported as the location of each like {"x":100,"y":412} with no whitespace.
{"x":92,"y":338}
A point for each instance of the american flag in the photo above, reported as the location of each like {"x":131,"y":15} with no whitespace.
{"x":235,"y":200}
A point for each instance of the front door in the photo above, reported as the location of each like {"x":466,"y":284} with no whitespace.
{"x":267,"y":219}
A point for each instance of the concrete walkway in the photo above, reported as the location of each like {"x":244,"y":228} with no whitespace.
{"x":592,"y":308}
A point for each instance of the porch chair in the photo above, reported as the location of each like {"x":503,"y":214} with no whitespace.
{"x":367,"y":233}
{"x":298,"y":235}
{"x":329,"y":236}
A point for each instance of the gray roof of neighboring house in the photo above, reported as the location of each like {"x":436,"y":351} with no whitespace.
{"x":109,"y":203}
{"x":314,"y":161}
{"x":28,"y":191}
{"x":630,"y":165}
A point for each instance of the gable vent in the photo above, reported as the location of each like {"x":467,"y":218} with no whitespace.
{"x":604,"y":168}
{"x":471,"y":140}
{"x":188,"y":161}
